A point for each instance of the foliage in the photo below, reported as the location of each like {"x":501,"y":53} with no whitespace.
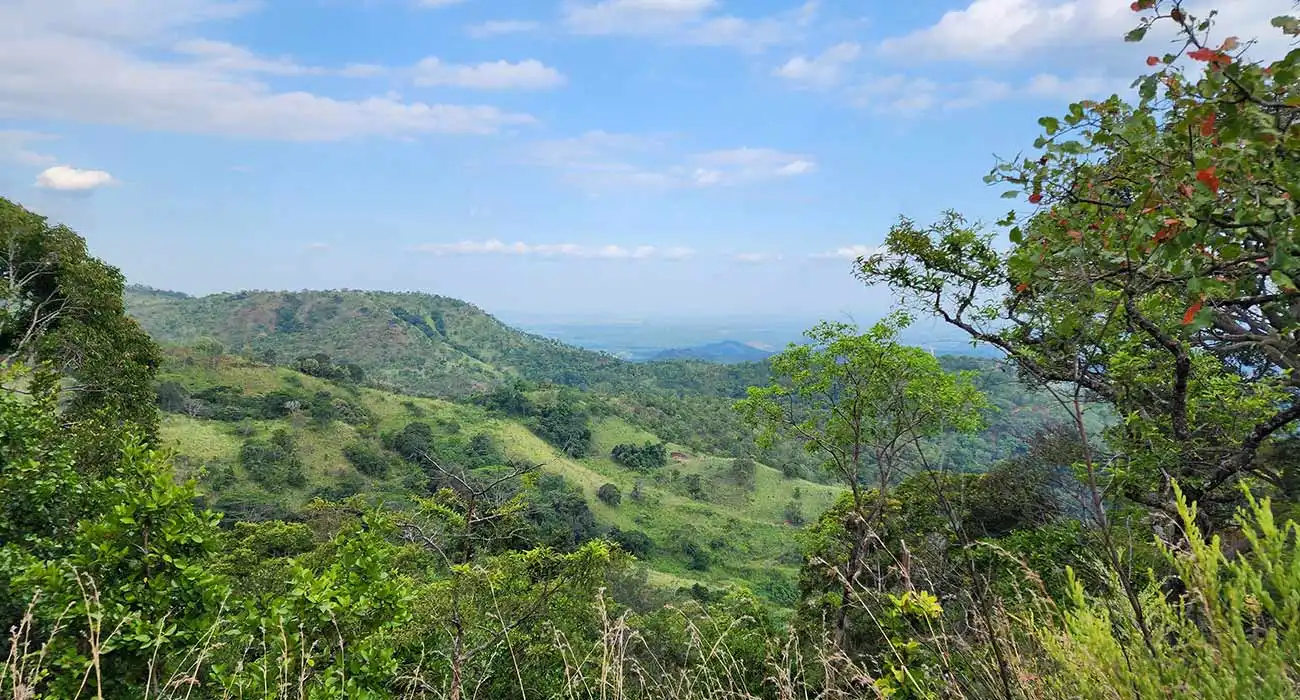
{"x":610,"y":495}
{"x":61,"y":310}
{"x":643,"y":458}
{"x":273,"y":463}
{"x":1157,"y":271}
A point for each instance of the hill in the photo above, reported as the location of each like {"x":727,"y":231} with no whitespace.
{"x":263,"y":441}
{"x":725,"y":352}
{"x":409,"y":342}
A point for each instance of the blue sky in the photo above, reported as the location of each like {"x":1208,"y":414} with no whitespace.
{"x":621,"y":157}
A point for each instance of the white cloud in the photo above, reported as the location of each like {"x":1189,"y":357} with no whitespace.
{"x":529,"y":74}
{"x":909,"y":95}
{"x":497,"y":27}
{"x":1005,"y":30}
{"x":823,"y":70}
{"x":848,"y":252}
{"x":317,"y":246}
{"x":69,"y":179}
{"x":1055,"y":87}
{"x":433,"y":4}
{"x":599,"y":159}
{"x":685,"y":21}
{"x":14,"y":147}
{"x":92,"y":61}
{"x":220,"y":55}
{"x":740,"y":165}
{"x":556,"y":250}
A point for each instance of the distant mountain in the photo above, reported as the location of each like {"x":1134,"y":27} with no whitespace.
{"x":418,"y":343}
{"x":725,"y":352}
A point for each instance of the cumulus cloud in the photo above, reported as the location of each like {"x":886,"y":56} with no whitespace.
{"x":90,"y":61}
{"x":1002,"y":30}
{"x":15,"y":147}
{"x":529,"y":74}
{"x":556,"y":250}
{"x":599,"y":159}
{"x":824,"y":70}
{"x":433,"y":4}
{"x":848,"y":252}
{"x":68,"y":179}
{"x":496,"y":27}
{"x":685,"y":21}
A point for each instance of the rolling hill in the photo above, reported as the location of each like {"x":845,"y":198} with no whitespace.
{"x":725,"y":352}
{"x":225,"y":414}
{"x":413,"y":343}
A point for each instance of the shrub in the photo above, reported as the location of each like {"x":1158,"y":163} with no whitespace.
{"x":368,"y":458}
{"x":610,"y":495}
{"x":642,"y":458}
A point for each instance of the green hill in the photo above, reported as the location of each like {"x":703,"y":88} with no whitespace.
{"x":699,"y":521}
{"x":414,"y":343}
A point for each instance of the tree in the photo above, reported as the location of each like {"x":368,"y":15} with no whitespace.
{"x":610,"y":495}
{"x":1157,"y":272}
{"x":651,"y":455}
{"x":862,"y":403}
{"x":61,"y":309}
{"x":743,"y":472}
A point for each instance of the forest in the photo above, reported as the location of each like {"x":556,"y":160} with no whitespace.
{"x":379,"y":495}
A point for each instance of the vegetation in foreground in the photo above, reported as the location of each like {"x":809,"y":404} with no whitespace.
{"x":1157,"y":558}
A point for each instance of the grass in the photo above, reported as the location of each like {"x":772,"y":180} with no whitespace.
{"x":744,"y":530}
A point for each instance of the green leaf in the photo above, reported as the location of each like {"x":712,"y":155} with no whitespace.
{"x":1050,"y":124}
{"x":1282,"y":280}
{"x":1011,"y":194}
{"x":1136,"y":34}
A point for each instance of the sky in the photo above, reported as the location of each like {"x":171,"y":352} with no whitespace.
{"x":629,"y":158}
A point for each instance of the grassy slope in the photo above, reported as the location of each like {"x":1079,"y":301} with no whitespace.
{"x":745,"y":532}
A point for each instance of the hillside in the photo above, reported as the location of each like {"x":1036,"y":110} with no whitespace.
{"x":725,"y":352}
{"x":718,"y":531}
{"x":414,"y":343}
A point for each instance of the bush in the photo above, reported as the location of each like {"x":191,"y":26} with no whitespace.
{"x":273,"y":464}
{"x":610,"y":495}
{"x":634,"y":542}
{"x":794,"y":514}
{"x":642,"y":458}
{"x":368,"y":458}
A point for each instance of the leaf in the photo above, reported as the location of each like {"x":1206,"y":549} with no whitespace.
{"x":1207,"y":125}
{"x":1153,"y":60}
{"x":1050,"y":124}
{"x":1283,"y":281}
{"x":1136,"y":34}
{"x":1035,"y":198}
{"x":1207,"y":177}
{"x":1190,"y":314}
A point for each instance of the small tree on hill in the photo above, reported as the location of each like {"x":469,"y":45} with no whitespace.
{"x":610,"y":495}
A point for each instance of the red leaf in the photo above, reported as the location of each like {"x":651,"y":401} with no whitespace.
{"x":1152,"y":60}
{"x":1136,"y":7}
{"x":1076,"y":235}
{"x":1210,"y":55}
{"x":1190,"y":315}
{"x":1021,"y":287}
{"x":1207,"y":126}
{"x":1209,"y":179}
{"x":1035,"y":198}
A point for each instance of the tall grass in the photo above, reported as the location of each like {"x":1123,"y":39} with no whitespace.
{"x":1225,"y":626}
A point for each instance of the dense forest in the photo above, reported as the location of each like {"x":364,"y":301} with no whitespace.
{"x":378,"y":495}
